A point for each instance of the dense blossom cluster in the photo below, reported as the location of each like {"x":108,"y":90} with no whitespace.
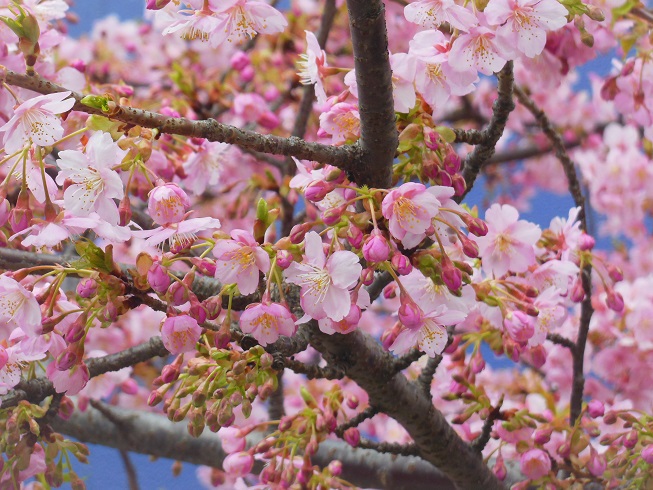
{"x":117,"y":231}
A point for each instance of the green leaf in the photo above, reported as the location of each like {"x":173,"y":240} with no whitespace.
{"x":96,"y":102}
{"x":90,"y":257}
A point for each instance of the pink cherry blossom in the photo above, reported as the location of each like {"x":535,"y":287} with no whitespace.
{"x":433,"y":13}
{"x":312,"y":65}
{"x":95,"y":184}
{"x":179,"y":235}
{"x":410,"y":209}
{"x":342,"y":122}
{"x":18,"y":307}
{"x":535,"y":464}
{"x":266,"y":322}
{"x":203,"y":167}
{"x":239,"y":20}
{"x":481,"y":49}
{"x":70,"y":381}
{"x":430,"y":334}
{"x":508,"y":246}
{"x":16,"y":359}
{"x":240,"y":260}
{"x":325,"y":283}
{"x":167,"y":203}
{"x":35,"y":120}
{"x":180,"y":333}
{"x":526,"y":22}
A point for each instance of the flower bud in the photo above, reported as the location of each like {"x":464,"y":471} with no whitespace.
{"x":401,"y":264}
{"x":410,"y":315}
{"x":354,"y":236}
{"x":367,"y":276}
{"x":586,"y":242}
{"x":615,"y":301}
{"x":87,"y":287}
{"x":595,"y":408}
{"x":239,"y":61}
{"x":376,"y":248}
{"x":647,"y":454}
{"x":317,"y":190}
{"x":352,"y":436}
{"x":167,"y":203}
{"x":156,"y":4}
{"x":158,"y":278}
{"x":284,"y":259}
{"x":519,"y":326}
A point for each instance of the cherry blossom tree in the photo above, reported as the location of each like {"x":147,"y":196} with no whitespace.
{"x":239,"y":234}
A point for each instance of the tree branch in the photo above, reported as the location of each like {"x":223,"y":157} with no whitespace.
{"x":501,"y":109}
{"x":379,"y":137}
{"x":344,"y":157}
{"x":366,"y":363}
{"x":155,"y":435}
{"x":587,"y":310}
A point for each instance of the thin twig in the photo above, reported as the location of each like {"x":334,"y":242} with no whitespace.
{"x":560,"y":340}
{"x":406,"y":360}
{"x":426,"y":376}
{"x":356,"y":420}
{"x":130,"y":469}
{"x":501,"y":109}
{"x":578,"y":383}
{"x":481,"y":441}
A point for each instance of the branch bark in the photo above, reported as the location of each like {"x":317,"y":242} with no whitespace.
{"x":154,"y":434}
{"x":379,"y":138}
{"x":344,"y":157}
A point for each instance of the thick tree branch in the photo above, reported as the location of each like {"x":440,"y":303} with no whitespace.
{"x":356,"y":420}
{"x":312,"y":371}
{"x":344,"y":157}
{"x":379,"y":137}
{"x":587,"y":310}
{"x":365,"y":362}
{"x":486,"y":146}
{"x":155,"y":435}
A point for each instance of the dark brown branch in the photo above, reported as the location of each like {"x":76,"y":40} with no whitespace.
{"x":406,"y":360}
{"x":344,"y":157}
{"x":155,"y":435}
{"x":356,"y":420}
{"x":130,"y":469}
{"x":426,"y":376}
{"x":35,"y":390}
{"x":313,"y":371}
{"x":372,"y":368}
{"x":484,"y":437}
{"x":560,"y":340}
{"x":380,"y":282}
{"x":501,"y":109}
{"x":276,"y":409}
{"x":390,"y":447}
{"x":587,"y":310}
{"x":379,"y":137}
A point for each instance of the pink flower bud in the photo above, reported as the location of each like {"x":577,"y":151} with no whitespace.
{"x":410,"y":315}
{"x":317,"y":190}
{"x":129,"y":387}
{"x":376,"y":248}
{"x":213,"y":307}
{"x":170,"y":373}
{"x":284,"y":259}
{"x":238,"y":464}
{"x":247,"y":74}
{"x":389,"y":336}
{"x":335,"y":467}
{"x":535,"y":464}
{"x":615,"y":273}
{"x":19,"y":219}
{"x":451,"y":275}
{"x":239,"y":61}
{"x":332,"y":216}
{"x":500,"y":468}
{"x":178,"y":294}
{"x":352,"y":436}
{"x":367,"y":276}
{"x":596,"y":464}
{"x":615,"y":301}
{"x":390,"y":291}
{"x":268,"y":120}
{"x":538,"y":356}
{"x":232,"y":439}
{"x":542,"y":436}
{"x":477,"y":364}
{"x":87,"y":287}
{"x":197,"y":311}
{"x":156,"y":4}
{"x":167,"y":203}
{"x":354,"y":236}
{"x":470,"y":248}
{"x":586,"y":242}
{"x":595,"y":408}
{"x":79,"y":65}
{"x":459,"y":186}
{"x":158,"y":278}
{"x":577,"y":292}
{"x":298,"y":232}
{"x":630,"y":439}
{"x":451,"y":163}
{"x":647,"y":454}
{"x":519,"y":326}
{"x":67,"y":359}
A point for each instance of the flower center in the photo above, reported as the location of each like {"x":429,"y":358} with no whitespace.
{"x":317,"y":281}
